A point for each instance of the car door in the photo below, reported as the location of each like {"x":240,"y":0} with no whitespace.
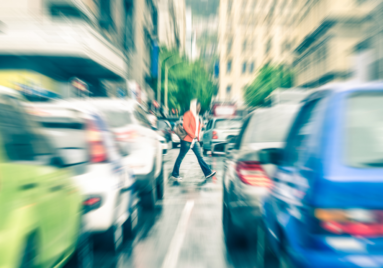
{"x":23,"y":146}
{"x":207,"y":133}
{"x":231,"y":160}
{"x":286,"y":202}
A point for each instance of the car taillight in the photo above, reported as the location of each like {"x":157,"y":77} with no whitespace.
{"x":251,"y":172}
{"x":356,"y":222}
{"x":96,"y":145}
{"x":128,"y":135}
{"x":215,"y":135}
{"x":91,"y":203}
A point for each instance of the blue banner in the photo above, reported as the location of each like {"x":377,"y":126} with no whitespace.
{"x":154,"y":60}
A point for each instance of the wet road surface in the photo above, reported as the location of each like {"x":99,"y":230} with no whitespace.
{"x":186,"y":228}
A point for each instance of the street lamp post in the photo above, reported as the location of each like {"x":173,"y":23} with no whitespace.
{"x":167,"y":68}
{"x":159,"y":79}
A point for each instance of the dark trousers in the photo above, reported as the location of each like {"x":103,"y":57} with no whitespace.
{"x":185,"y":146}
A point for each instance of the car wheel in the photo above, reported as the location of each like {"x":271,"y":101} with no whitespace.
{"x":83,"y":255}
{"x":160,"y":185}
{"x":265,"y":256}
{"x":112,"y":239}
{"x":29,"y":254}
{"x":284,"y":260}
{"x":174,"y":145}
{"x":228,"y":229}
{"x":204,"y":151}
{"x":148,"y":200}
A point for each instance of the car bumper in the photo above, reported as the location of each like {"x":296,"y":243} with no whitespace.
{"x":164,"y":147}
{"x":304,"y":258}
{"x":175,"y":138}
{"x":101,"y":182}
{"x":246,"y":210}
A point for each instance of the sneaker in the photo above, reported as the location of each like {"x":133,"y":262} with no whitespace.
{"x":212,"y":174}
{"x":176,"y":178}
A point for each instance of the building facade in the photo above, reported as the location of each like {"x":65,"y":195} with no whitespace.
{"x":327,"y":33}
{"x":172,"y":24}
{"x":103,"y":43}
{"x":251,"y":34}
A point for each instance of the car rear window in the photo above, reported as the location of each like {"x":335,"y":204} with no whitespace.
{"x":228,"y":124}
{"x":118,"y":118}
{"x":270,"y":125}
{"x":364,"y":130}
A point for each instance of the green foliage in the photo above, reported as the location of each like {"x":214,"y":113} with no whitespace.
{"x":186,"y":81}
{"x":268,"y":79}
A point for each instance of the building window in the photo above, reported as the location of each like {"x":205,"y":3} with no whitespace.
{"x":244,"y":4}
{"x":268,"y":46}
{"x":228,"y":89}
{"x":254,"y":4}
{"x":229,"y":46}
{"x":251,"y":68}
{"x":229,"y":6}
{"x":244,"y":65}
{"x":228,"y":67}
{"x":244,"y":46}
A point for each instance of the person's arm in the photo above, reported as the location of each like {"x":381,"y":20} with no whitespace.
{"x":186,"y":125}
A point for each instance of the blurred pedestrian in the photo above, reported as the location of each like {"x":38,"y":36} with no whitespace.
{"x":192,"y":126}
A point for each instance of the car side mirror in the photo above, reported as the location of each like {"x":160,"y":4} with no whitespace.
{"x":270,"y":156}
{"x":219,"y":148}
{"x":57,"y":161}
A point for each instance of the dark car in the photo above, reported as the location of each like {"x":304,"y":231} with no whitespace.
{"x":173,"y":120}
{"x":245,"y":181}
{"x":325,"y":207}
{"x":164,"y":128}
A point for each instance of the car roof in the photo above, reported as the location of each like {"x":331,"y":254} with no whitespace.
{"x":10,"y":92}
{"x":350,"y":86}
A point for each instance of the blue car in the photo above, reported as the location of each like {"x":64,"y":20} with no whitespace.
{"x":326,"y":205}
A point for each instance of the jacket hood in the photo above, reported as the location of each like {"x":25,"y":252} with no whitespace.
{"x":193,"y":107}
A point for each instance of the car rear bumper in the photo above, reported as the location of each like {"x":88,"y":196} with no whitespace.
{"x":304,"y":258}
{"x":100,"y":181}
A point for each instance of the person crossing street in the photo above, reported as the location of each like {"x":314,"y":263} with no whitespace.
{"x":192,"y":126}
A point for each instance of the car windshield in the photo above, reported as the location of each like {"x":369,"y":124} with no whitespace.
{"x":270,"y":125}
{"x":228,"y":124}
{"x":117,"y":118}
{"x":364,"y":130}
{"x":161,"y":125}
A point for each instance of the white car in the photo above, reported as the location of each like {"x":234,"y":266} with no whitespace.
{"x":139,"y":143}
{"x":99,"y":169}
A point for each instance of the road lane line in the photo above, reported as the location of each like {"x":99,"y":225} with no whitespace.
{"x":171,"y":257}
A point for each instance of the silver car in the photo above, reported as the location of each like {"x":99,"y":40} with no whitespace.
{"x":219,"y":130}
{"x":245,"y":181}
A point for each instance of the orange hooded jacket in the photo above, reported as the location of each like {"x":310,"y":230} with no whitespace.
{"x":190,"y":126}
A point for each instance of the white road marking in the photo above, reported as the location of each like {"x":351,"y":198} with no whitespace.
{"x":171,"y":257}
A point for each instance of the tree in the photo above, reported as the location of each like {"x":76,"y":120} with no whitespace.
{"x":186,"y":81}
{"x":268,"y":79}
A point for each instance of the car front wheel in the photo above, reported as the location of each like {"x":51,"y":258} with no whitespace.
{"x":29,"y":256}
{"x":148,"y":199}
{"x":160,"y":185}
